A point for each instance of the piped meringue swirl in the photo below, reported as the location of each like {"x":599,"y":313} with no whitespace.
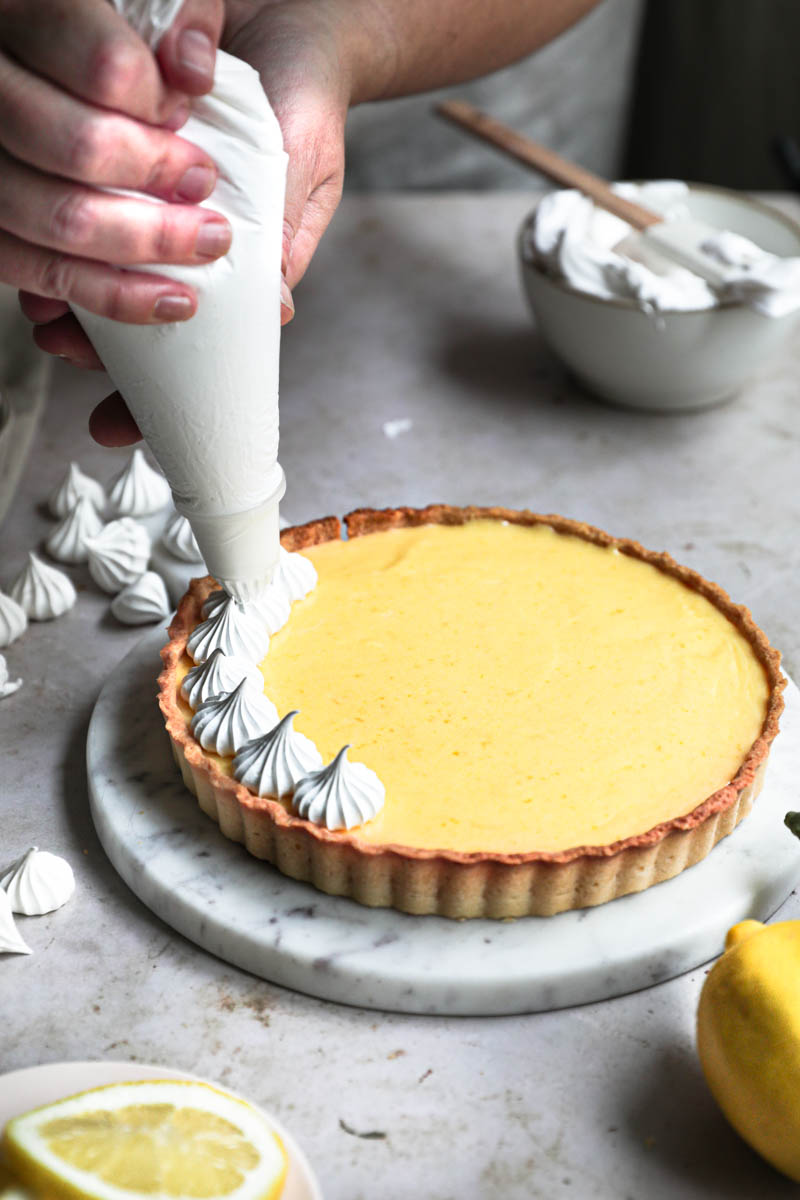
{"x":295,"y":574}
{"x":38,"y":882}
{"x":225,"y":723}
{"x":73,"y":485}
{"x":7,"y":686}
{"x":340,"y":795}
{"x":274,"y":764}
{"x":13,"y":620}
{"x":138,"y":490}
{"x":10,"y":940}
{"x":43,"y":591}
{"x":233,"y":630}
{"x":218,"y":675}
{"x":69,"y":541}
{"x":119,"y":554}
{"x":142,"y":601}
{"x":271,"y":607}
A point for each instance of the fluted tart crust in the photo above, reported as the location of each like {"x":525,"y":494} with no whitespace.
{"x":448,"y":882}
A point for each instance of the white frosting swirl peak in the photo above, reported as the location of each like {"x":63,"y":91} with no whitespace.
{"x":217,"y":676}
{"x":37,"y":883}
{"x":274,"y":764}
{"x":231,"y":629}
{"x":10,"y":940}
{"x":142,"y":601}
{"x":119,"y":554}
{"x":13,"y":620}
{"x":179,"y":540}
{"x":69,"y":540}
{"x":73,"y":485}
{"x":139,"y":489}
{"x":7,"y":686}
{"x":225,"y":723}
{"x":42,"y":591}
{"x":294,"y":573}
{"x":271,"y":607}
{"x":215,"y":601}
{"x":341,"y":795}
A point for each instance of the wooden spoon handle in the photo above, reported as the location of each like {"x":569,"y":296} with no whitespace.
{"x":532,"y":154}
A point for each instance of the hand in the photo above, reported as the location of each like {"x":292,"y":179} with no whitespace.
{"x":294,"y":48}
{"x":84,"y":102}
{"x":299,"y":49}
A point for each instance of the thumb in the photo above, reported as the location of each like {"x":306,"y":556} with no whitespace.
{"x":187,"y":51}
{"x":313,"y":190}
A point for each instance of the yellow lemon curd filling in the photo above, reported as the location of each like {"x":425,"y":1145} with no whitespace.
{"x":514,"y":688}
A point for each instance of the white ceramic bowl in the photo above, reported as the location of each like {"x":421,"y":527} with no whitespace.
{"x":680,"y":360}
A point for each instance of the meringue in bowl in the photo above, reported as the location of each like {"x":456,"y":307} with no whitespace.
{"x":667,"y":356}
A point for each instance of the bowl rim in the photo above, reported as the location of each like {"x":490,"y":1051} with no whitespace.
{"x":631,"y":305}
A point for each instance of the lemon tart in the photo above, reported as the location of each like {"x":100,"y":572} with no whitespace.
{"x":558,"y":716}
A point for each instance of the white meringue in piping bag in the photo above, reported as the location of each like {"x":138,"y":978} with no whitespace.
{"x":38,"y":882}
{"x":218,"y":675}
{"x":343,"y":794}
{"x":204,"y":392}
{"x":225,"y":723}
{"x":273,"y":765}
{"x":142,"y":601}
{"x":68,"y":492}
{"x":43,"y":591}
{"x":119,"y":554}
{"x":69,"y":540}
{"x":13,"y":620}
{"x":138,"y":490}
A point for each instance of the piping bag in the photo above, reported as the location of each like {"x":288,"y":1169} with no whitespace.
{"x":204,"y":392}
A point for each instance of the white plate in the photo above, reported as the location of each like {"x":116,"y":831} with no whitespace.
{"x":33,"y":1086}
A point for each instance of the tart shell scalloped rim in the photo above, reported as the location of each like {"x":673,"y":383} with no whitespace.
{"x":447,"y":882}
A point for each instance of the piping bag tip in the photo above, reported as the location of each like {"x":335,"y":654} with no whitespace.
{"x":241,"y":549}
{"x":245,"y":591}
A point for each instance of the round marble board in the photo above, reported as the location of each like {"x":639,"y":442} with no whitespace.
{"x":214,"y":893}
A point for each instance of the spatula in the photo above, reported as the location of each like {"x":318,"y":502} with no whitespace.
{"x":682,"y":241}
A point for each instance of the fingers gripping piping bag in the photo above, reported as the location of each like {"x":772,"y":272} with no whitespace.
{"x":204,"y":392}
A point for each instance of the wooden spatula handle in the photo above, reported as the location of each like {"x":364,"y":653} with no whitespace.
{"x":532,"y":154}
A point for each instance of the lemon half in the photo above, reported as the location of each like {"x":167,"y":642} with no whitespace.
{"x":160,"y":1139}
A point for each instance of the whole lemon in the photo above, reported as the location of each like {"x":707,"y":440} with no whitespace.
{"x":748,"y":1037}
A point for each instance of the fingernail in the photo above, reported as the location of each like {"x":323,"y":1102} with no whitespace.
{"x":172,"y":308}
{"x":196,"y":52}
{"x":213,"y":239}
{"x":196,"y":185}
{"x":286,"y":297}
{"x":179,"y":117}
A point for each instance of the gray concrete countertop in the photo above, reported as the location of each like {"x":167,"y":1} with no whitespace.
{"x":412,"y":310}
